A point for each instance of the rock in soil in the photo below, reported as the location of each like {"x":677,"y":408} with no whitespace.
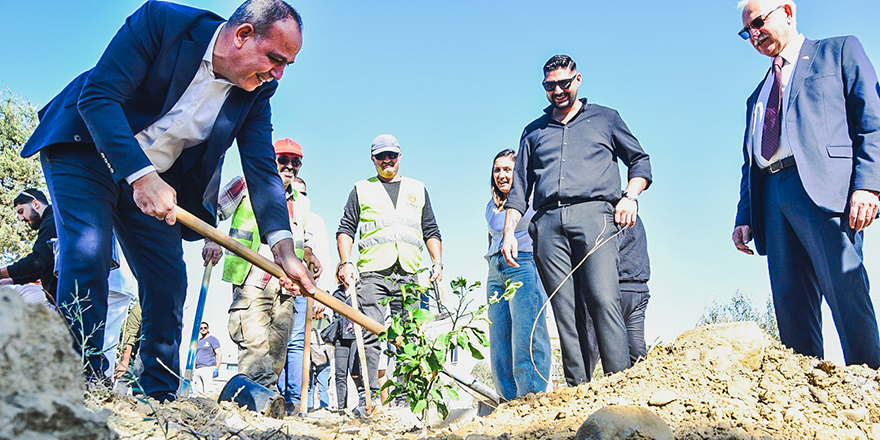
{"x":41,"y":378}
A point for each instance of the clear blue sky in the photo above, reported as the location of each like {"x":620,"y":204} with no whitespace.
{"x":456,"y":82}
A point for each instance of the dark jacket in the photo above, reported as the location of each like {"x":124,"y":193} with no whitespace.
{"x":40,"y":263}
{"x":341,"y":328}
{"x":141,"y":75}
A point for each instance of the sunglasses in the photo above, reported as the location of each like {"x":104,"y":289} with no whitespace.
{"x":284,"y":160}
{"x":203,"y":328}
{"x":386,"y":155}
{"x":563,"y":84}
{"x":757,"y":23}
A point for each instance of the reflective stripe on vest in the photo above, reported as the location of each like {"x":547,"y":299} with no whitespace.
{"x":244,"y":230}
{"x":389,"y":234}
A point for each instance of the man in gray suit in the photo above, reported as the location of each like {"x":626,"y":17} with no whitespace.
{"x":810,"y":179}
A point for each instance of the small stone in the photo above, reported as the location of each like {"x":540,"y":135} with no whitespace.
{"x":623,"y":422}
{"x":662,"y":397}
{"x":820,"y":395}
{"x":794,"y":415}
{"x":826,"y":366}
{"x":855,"y":414}
{"x":480,"y":437}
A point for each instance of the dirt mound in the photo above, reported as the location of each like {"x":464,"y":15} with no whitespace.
{"x":723,"y":381}
{"x":41,"y":381}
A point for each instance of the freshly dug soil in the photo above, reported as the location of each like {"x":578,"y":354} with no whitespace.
{"x":722,"y":381}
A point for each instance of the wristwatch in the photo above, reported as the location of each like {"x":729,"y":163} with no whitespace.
{"x":634,"y":198}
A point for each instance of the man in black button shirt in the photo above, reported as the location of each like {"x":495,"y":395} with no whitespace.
{"x":34,"y":209}
{"x":567,"y":163}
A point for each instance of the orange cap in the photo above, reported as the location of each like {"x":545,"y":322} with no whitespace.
{"x":288,"y":146}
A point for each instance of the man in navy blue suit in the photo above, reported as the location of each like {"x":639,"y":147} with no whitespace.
{"x":147,"y":128}
{"x":810,"y":179}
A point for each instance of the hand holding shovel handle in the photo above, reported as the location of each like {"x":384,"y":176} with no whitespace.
{"x":207,"y":231}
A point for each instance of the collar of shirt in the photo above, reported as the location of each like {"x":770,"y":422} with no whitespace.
{"x":208,"y":57}
{"x":792,"y":50}
{"x":549,"y":111}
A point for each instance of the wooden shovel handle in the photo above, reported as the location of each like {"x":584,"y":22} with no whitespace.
{"x":207,"y":231}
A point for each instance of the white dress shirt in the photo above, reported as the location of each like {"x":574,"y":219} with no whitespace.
{"x":189,"y":122}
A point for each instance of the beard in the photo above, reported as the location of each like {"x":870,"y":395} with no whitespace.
{"x":34,"y":220}
{"x":568,"y":103}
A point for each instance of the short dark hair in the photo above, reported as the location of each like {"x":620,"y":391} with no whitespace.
{"x":263,"y":14}
{"x":26,"y":195}
{"x":559,"y":62}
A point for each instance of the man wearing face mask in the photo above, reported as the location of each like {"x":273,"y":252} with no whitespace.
{"x":395,"y":220}
{"x":810,"y":179}
{"x":261,"y":315}
{"x":34,"y":209}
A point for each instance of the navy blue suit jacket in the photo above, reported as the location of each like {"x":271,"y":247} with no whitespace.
{"x":833,"y":123}
{"x":141,"y":75}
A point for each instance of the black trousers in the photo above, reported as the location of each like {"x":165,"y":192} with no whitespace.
{"x":562,"y":237}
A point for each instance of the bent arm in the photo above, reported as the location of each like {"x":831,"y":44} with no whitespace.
{"x":122,"y":68}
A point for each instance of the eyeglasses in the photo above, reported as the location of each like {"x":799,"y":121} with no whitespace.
{"x":203,"y":328}
{"x":757,"y":23}
{"x":386,"y":155}
{"x":284,"y":160}
{"x":563,"y":84}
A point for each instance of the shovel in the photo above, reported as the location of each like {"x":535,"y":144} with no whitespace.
{"x":270,"y":267}
{"x":191,"y":358}
{"x":198,"y":225}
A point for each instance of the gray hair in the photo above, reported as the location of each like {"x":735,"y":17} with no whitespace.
{"x":263,"y":14}
{"x":741,"y":4}
{"x":769,"y":4}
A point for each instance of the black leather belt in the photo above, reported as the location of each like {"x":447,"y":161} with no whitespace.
{"x":779,"y":165}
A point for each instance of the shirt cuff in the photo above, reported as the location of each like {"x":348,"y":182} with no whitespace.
{"x":140,"y":173}
{"x":273,"y":237}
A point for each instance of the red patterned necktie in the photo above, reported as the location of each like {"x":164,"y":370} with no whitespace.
{"x":770,"y":140}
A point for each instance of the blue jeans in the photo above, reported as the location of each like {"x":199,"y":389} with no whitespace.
{"x":290,"y":379}
{"x":511,"y":327}
{"x":321,"y":379}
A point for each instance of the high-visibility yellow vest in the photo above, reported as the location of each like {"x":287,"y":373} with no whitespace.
{"x":244,"y":230}
{"x":389,"y":234}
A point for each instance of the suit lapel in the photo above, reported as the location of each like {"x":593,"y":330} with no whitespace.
{"x":752,"y":115}
{"x":221,"y":134}
{"x":188,"y":61}
{"x":803,"y":66}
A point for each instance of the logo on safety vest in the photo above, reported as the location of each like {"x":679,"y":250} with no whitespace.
{"x":411,"y":199}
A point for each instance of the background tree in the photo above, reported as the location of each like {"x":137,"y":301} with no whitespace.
{"x":18,"y":118}
{"x":740,"y":308}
